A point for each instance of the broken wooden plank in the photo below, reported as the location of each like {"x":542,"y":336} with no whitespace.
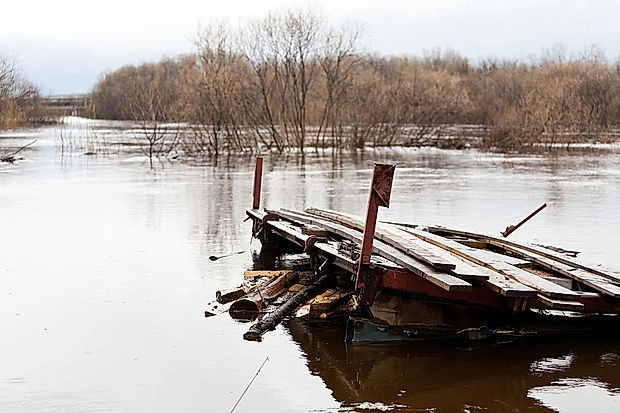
{"x":497,"y":282}
{"x":614,"y":277}
{"x":265,"y":273}
{"x":594,"y":281}
{"x":495,"y":263}
{"x":230,"y":294}
{"x":322,"y":303}
{"x":443,"y":280}
{"x":295,"y":288}
{"x":555,"y":304}
{"x":395,"y":239}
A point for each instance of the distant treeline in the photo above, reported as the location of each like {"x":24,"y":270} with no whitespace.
{"x":18,"y":97}
{"x":290,"y":81}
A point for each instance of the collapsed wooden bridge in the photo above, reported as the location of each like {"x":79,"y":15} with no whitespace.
{"x":425,"y":281}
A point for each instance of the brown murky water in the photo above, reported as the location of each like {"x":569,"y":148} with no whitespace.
{"x":104,"y":276}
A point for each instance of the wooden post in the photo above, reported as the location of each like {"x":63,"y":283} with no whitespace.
{"x":258,"y":177}
{"x":380,"y":191}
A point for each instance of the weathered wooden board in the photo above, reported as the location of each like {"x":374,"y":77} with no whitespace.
{"x":395,"y":239}
{"x":594,"y":281}
{"x":613,"y":276}
{"x":556,"y":304}
{"x":496,"y":263}
{"x":264,"y":273}
{"x":495,"y":281}
{"x":445,"y":281}
{"x":405,"y":242}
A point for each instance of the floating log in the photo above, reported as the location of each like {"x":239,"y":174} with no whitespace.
{"x":231,"y":294}
{"x":271,"y":320}
{"x":249,"y":307}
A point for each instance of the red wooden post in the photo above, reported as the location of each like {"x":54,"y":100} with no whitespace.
{"x":258,"y":177}
{"x":380,"y":191}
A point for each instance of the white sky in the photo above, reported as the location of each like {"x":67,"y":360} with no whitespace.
{"x":63,"y":45}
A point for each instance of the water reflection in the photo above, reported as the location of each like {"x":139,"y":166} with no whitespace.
{"x":104,"y":277}
{"x":527,"y":376}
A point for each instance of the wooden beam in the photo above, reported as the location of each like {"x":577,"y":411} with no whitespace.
{"x":497,"y":282}
{"x":406,"y":242}
{"x":495,"y":263}
{"x":556,"y":256}
{"x":446,"y":281}
{"x":395,"y":239}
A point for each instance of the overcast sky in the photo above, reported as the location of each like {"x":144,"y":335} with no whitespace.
{"x":64,"y":45}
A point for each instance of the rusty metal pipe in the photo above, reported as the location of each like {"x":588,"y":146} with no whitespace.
{"x":512,"y":228}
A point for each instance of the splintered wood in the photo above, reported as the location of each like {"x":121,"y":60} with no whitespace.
{"x":320,"y":305}
{"x":265,"y":273}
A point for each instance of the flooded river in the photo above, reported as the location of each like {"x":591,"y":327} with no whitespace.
{"x":104,"y":277}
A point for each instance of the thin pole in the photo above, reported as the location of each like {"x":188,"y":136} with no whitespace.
{"x":512,"y":228}
{"x":249,"y":384}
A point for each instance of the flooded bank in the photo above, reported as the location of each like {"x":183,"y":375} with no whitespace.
{"x":104,"y":274}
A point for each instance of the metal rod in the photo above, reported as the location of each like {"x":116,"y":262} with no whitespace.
{"x":258,"y":177}
{"x":249,"y":384}
{"x":380,"y":191}
{"x":512,"y":228}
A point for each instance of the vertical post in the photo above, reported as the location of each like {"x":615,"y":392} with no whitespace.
{"x":380,"y":191}
{"x":258,"y":177}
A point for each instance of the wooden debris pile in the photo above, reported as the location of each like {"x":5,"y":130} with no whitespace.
{"x":270,"y":296}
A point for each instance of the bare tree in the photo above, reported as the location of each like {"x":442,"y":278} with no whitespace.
{"x":18,"y":97}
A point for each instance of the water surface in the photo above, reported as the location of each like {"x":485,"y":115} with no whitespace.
{"x":104,"y":277}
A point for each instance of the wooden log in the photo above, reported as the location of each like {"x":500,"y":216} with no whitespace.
{"x":231,"y":294}
{"x":271,"y":320}
{"x":249,"y":306}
